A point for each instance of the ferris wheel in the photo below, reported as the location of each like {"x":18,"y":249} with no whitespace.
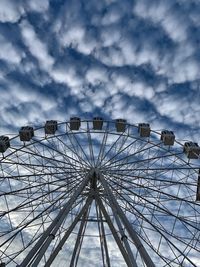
{"x":99,"y":193}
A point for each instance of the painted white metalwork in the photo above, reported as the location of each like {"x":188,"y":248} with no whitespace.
{"x":104,"y":189}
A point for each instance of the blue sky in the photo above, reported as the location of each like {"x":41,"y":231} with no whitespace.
{"x":131,"y":59}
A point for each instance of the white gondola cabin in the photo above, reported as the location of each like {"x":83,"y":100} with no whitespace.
{"x":167,"y":137}
{"x":192,"y":150}
{"x":26,"y":133}
{"x":75,"y":123}
{"x":120,"y":125}
{"x":4,"y":143}
{"x":144,"y":129}
{"x":50,"y":127}
{"x":97,"y":123}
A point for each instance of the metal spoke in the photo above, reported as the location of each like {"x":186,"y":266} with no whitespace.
{"x":136,"y":197}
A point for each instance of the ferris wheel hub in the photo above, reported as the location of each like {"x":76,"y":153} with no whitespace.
{"x":94,"y":176}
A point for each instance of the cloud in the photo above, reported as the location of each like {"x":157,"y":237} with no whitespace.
{"x":9,"y":52}
{"x":38,"y":6}
{"x":10,"y":11}
{"x":36,"y":47}
{"x":126,"y":52}
{"x":137,"y":60}
{"x":182,"y":65}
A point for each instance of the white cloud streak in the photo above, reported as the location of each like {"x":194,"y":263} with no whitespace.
{"x":10,"y":11}
{"x":36,"y":47}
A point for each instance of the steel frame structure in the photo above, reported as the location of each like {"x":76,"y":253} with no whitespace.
{"x":140,"y":194}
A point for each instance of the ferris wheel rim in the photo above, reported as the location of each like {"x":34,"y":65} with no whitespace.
{"x":36,"y":141}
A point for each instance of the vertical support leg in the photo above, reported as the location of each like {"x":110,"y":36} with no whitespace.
{"x":114,"y":232}
{"x":143,"y":253}
{"x":67,"y":234}
{"x":103,"y":242}
{"x":198,"y":188}
{"x":79,"y":240}
{"x":37,"y":252}
{"x":124,"y":239}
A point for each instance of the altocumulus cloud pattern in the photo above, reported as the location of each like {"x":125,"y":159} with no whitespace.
{"x":137,"y":60}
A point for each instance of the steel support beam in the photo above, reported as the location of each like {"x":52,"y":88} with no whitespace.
{"x":114,"y":232}
{"x":124,"y":239}
{"x":103,"y":242}
{"x":67,"y":234}
{"x":37,"y":252}
{"x":79,"y":240}
{"x":132,"y":233}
